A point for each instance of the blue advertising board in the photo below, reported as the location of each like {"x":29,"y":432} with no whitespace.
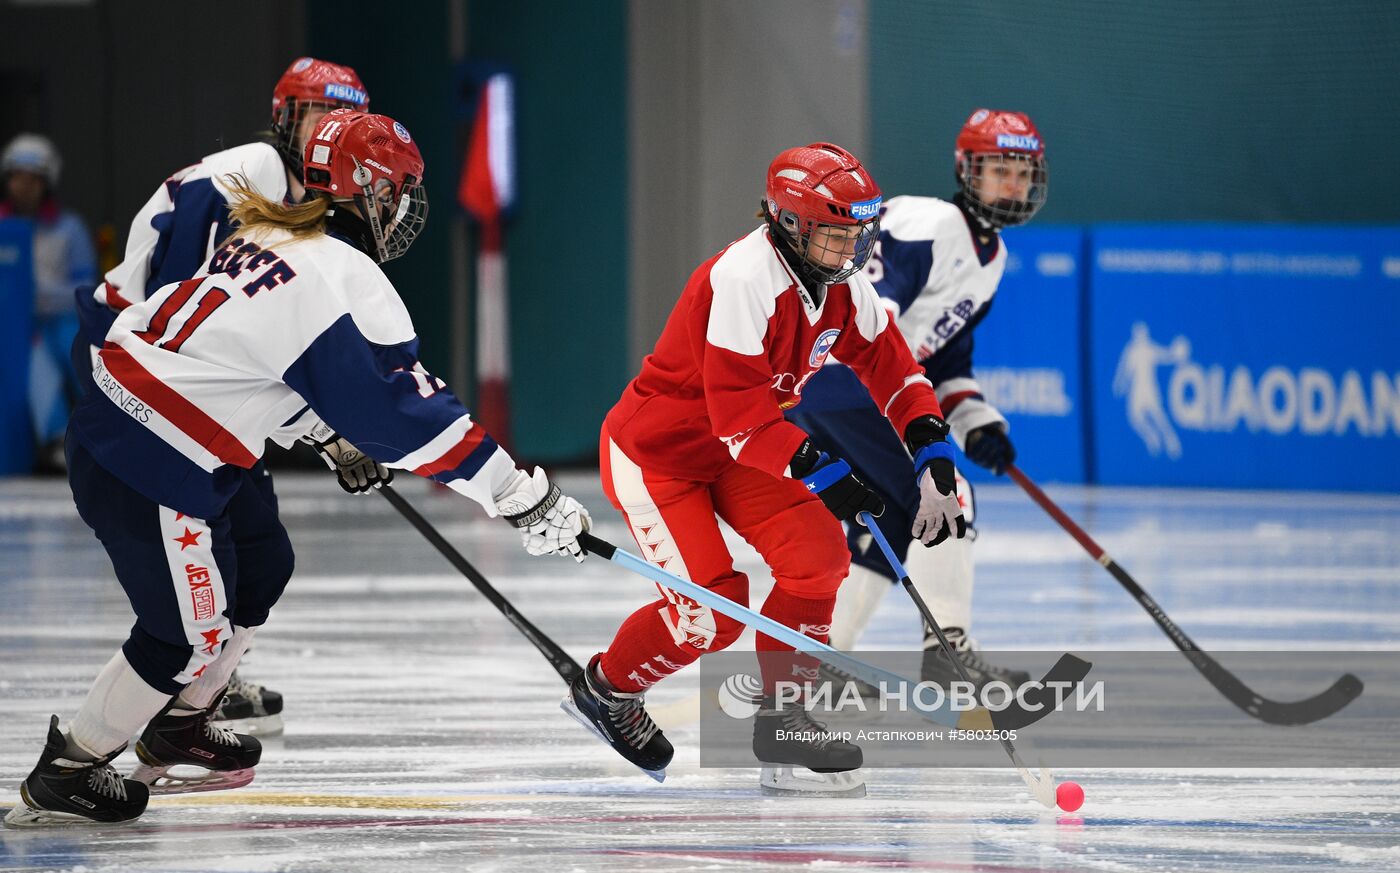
{"x":1251,"y":357}
{"x":17,"y":302}
{"x":1027,"y":353}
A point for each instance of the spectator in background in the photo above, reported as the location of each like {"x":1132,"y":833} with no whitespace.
{"x":63,"y":259}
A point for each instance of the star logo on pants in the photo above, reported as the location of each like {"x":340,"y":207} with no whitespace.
{"x":191,"y":538}
{"x":211,"y":639}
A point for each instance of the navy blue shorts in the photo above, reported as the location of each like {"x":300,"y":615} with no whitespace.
{"x":867,"y":441}
{"x":188,"y":579}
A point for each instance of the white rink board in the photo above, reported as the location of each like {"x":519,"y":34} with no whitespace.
{"x":423,"y":733}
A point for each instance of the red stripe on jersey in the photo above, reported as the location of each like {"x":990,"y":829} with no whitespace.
{"x":190,"y":419}
{"x":111,"y":295}
{"x":951,"y":402}
{"x":455,"y":455}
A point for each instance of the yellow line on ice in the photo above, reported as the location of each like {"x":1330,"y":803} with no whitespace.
{"x":342,"y":801}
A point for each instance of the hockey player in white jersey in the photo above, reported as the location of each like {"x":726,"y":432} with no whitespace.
{"x":171,"y":239}
{"x":937,"y":266}
{"x":292,"y":316}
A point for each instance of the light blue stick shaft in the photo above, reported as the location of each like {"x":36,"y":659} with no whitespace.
{"x":865,"y":519}
{"x":869,"y":673}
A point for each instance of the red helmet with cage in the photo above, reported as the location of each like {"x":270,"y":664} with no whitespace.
{"x":372,"y":160}
{"x":826,"y":206}
{"x":1001,"y":153}
{"x":311,"y":82}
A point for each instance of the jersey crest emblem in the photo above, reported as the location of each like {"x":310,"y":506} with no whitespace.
{"x":822,"y":347}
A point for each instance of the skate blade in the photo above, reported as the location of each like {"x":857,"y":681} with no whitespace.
{"x":257,"y":726}
{"x":568,"y":705}
{"x":162,"y":781}
{"x":801,"y":782}
{"x":26,"y":815}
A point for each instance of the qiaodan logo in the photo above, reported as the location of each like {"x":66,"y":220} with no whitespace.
{"x":1214,"y":398}
{"x":739,"y":695}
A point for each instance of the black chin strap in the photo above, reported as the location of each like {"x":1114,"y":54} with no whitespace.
{"x":815,"y":289}
{"x":343,"y":222}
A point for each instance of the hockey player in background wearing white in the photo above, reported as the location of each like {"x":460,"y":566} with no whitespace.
{"x":936,"y":267}
{"x":700,"y":436}
{"x":170,"y":240}
{"x":292,"y":315}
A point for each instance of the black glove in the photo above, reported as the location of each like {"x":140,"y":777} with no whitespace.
{"x":355,"y":471}
{"x":988,"y":446}
{"x":831,"y":479}
{"x":940,"y":513}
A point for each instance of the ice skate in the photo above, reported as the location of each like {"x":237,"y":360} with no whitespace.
{"x":620,"y":720}
{"x":939,"y":670}
{"x":186,"y":738}
{"x":800,"y":756}
{"x":250,"y":708}
{"x":60,"y":791}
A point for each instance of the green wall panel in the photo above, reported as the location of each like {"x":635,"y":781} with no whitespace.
{"x":567,"y":245}
{"x":1208,"y":110}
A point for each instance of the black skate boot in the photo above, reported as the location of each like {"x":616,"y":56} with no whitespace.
{"x":941,"y":671}
{"x":800,"y":756}
{"x":620,"y":720}
{"x":250,"y":708}
{"x":60,"y":791}
{"x":182,"y":736}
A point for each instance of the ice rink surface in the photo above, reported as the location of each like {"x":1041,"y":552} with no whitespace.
{"x":423,"y":733}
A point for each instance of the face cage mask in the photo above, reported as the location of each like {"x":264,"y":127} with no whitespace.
{"x":285,"y":124}
{"x":1006,"y":212}
{"x":404,"y":223}
{"x":803,"y":245}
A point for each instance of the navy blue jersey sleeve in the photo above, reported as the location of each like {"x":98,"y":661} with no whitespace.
{"x":199,"y":217}
{"x":381,"y":399}
{"x":903,"y":268}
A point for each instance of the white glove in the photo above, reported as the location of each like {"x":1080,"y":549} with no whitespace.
{"x":356,"y":471}
{"x":549,"y":522}
{"x":939,"y":511}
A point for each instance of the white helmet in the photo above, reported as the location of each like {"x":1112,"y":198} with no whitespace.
{"x":32,"y":153}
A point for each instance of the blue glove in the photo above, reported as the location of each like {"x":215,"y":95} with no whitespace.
{"x":988,"y":446}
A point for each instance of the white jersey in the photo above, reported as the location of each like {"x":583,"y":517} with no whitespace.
{"x":276,"y":332}
{"x":174,"y":234}
{"x":937,"y":279}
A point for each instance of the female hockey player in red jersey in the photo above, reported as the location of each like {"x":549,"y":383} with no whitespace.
{"x":293,"y":315}
{"x":699,"y":436}
{"x":936,"y":266}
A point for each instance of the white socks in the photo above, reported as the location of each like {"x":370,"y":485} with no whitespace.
{"x":117,"y":707}
{"x":200,"y":693}
{"x":856,"y":601}
{"x":943,"y":577}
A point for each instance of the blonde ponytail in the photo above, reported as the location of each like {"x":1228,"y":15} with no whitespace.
{"x":248,"y":209}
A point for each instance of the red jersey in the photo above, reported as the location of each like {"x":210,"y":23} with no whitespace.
{"x":739,"y":345}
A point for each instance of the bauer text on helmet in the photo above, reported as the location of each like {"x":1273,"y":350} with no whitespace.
{"x":372,"y":161}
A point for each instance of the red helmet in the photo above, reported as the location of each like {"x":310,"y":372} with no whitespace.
{"x":823,"y":185}
{"x":311,"y":82}
{"x":993,"y":138}
{"x":372,"y":160}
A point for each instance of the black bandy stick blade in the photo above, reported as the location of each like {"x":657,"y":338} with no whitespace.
{"x":1320,"y":706}
{"x":1041,"y":701}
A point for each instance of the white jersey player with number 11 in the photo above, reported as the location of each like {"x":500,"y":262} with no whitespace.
{"x":294,"y":313}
